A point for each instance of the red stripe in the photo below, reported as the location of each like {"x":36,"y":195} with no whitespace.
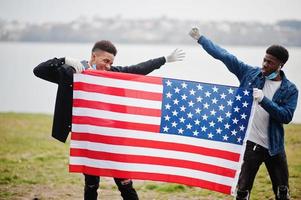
{"x":152,"y":160}
{"x":115,"y":124}
{"x":116,"y":108}
{"x":152,"y":176}
{"x":155,"y":144}
{"x":125,"y":76}
{"x":139,"y":94}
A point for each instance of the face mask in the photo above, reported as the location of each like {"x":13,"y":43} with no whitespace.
{"x":94,"y":66}
{"x":272,"y":75}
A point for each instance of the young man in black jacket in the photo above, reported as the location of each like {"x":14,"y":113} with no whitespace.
{"x":61,"y":70}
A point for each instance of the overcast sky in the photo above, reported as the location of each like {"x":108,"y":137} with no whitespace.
{"x":214,"y":10}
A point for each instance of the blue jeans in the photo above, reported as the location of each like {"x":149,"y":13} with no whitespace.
{"x":277,"y":168}
{"x":125,"y":186}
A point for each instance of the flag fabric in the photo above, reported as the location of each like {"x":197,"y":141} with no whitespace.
{"x":162,"y":129}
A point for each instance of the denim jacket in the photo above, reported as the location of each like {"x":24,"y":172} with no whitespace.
{"x":283,"y":104}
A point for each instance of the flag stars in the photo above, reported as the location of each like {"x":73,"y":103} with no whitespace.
{"x":195,"y":133}
{"x":165,"y":129}
{"x":245,"y":104}
{"x":211,"y":124}
{"x":236,"y":109}
{"x":177,"y":90}
{"x":174,"y":113}
{"x":197,"y":122}
{"x":246,"y":92}
{"x":238,"y":97}
{"x":199,"y":99}
{"x":214,"y":101}
{"x":205,"y":117}
{"x":221,"y":107}
{"x":198,"y":111}
{"x":215,"y":89}
{"x":174,"y":124}
{"x":204,"y":128}
{"x":220,"y":119}
{"x":212,"y":112}
{"x":168,"y":83}
{"x":239,"y":139}
{"x":182,"y":120}
{"x":180,"y":131}
{"x":183,"y":108}
{"x":184,"y":85}
{"x":227,"y":126}
{"x":199,"y":87}
{"x":189,"y":115}
{"x":223,"y":96}
{"x":189,"y":126}
{"x":190,"y":104}
{"x":168,"y":95}
{"x":233,"y":132}
{"x":206,"y":105}
{"x":228,"y":114}
{"x":210,"y":135}
{"x":184,"y":97}
{"x":235,"y":121}
{"x":167,"y":106}
{"x":230,"y":102}
{"x":176,"y":101}
{"x":225,"y":137}
{"x":167,"y":118}
{"x":230,"y":91}
{"x":207,"y":94}
{"x":242,"y":128}
{"x":243,"y":116}
{"x":192,"y":92}
{"x":218,"y":131}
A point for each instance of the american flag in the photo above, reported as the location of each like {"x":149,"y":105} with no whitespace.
{"x":151,"y":128}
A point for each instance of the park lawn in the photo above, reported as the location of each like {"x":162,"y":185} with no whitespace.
{"x":33,"y":165}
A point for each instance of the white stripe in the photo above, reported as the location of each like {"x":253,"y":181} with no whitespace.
{"x":134,"y":167}
{"x":110,"y":82}
{"x":127,"y":101}
{"x":99,"y":130}
{"x":145,"y":151}
{"x":116,"y":116}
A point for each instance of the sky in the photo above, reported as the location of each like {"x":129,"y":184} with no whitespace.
{"x":40,"y":11}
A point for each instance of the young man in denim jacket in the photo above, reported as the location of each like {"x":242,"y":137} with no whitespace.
{"x":277,"y":98}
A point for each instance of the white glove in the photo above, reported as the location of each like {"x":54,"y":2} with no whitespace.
{"x":76,"y":64}
{"x":176,"y":55}
{"x":195,"y":33}
{"x":258,"y":94}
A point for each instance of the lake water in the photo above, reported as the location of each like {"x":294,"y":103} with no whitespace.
{"x":21,"y":91}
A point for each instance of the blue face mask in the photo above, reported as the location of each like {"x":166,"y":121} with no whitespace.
{"x":94,"y":66}
{"x":272,"y":75}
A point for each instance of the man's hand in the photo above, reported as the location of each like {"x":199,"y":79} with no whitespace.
{"x":176,"y":55}
{"x":258,"y":94}
{"x":195,"y":33}
{"x":76,"y":64}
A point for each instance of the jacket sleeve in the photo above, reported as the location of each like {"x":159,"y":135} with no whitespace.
{"x":282,"y":113}
{"x":142,"y":68}
{"x":234,"y":65}
{"x":49,"y":70}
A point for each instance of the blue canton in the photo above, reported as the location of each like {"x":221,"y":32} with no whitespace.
{"x":207,"y":111}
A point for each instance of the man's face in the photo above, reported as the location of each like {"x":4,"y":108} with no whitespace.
{"x":102,"y":59}
{"x":270,"y":64}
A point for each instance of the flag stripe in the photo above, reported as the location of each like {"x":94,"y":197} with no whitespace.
{"x":100,"y":130}
{"x":117,"y":91}
{"x":155,"y":144}
{"x":115,"y":123}
{"x":155,"y":176}
{"x":126,"y":101}
{"x":135,"y":167}
{"x":152,"y":160}
{"x":116,"y":116}
{"x":144,"y":151}
{"x":116,"y":107}
{"x":125,"y":76}
{"x":119,"y":83}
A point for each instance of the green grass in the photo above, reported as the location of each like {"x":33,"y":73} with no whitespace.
{"x":34,"y":165}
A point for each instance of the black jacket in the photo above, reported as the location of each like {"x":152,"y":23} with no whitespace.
{"x":56,"y":71}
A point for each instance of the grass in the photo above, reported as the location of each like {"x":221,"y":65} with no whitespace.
{"x":35,"y":166}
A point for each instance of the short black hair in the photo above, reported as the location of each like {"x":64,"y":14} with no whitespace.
{"x":105,"y":45}
{"x":279,"y":52}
